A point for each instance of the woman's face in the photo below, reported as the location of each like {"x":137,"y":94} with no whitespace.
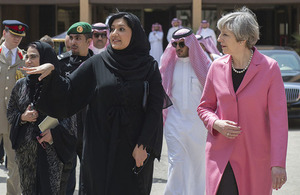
{"x":120,"y":34}
{"x":32,"y":58}
{"x":228,"y":42}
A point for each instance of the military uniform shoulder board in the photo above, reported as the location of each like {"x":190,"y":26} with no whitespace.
{"x":64,"y":55}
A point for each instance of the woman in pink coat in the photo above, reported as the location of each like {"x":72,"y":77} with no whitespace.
{"x":244,"y":109}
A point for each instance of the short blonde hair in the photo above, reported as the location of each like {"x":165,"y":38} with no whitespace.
{"x":243,"y":24}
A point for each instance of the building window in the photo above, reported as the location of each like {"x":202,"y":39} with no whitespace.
{"x":185,"y":16}
{"x":66,"y":16}
{"x":211,"y":17}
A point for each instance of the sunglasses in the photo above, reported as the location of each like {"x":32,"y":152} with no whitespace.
{"x":136,"y":170}
{"x":103,"y":35}
{"x":181,"y":44}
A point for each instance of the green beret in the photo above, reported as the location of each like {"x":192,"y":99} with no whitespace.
{"x":80,"y":28}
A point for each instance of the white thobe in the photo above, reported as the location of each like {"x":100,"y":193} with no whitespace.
{"x":156,"y":42}
{"x":206,"y":32}
{"x":170,"y":33}
{"x":185,"y":134}
{"x":96,"y":50}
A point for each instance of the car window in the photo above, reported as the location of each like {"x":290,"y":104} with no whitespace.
{"x":287,"y":61}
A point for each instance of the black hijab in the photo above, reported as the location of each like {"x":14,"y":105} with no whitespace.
{"x":133,"y":62}
{"x":46,"y":52}
{"x":47,"y":55}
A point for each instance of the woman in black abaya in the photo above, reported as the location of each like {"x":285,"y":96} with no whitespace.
{"x":123,"y":91}
{"x":41,"y":163}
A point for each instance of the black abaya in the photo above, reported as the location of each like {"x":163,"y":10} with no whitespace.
{"x":112,"y":86}
{"x":40,"y":169}
{"x":115,"y":123}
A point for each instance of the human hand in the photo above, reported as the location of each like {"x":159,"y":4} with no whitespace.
{"x":227,"y":128}
{"x":46,"y":136}
{"x":278,"y":177}
{"x":29,"y":115}
{"x":44,"y":70}
{"x":140,"y":155}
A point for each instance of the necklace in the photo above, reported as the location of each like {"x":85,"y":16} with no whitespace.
{"x":241,"y":71}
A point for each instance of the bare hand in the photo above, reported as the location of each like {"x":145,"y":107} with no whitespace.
{"x":44,"y":70}
{"x":227,"y":128}
{"x":46,"y":136}
{"x":30,"y":115}
{"x":140,"y":155}
{"x":278,"y":177}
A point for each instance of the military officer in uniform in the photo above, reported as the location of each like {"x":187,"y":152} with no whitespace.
{"x":80,"y":35}
{"x":11,"y":57}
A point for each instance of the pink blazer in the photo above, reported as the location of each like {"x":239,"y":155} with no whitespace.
{"x":259,"y":107}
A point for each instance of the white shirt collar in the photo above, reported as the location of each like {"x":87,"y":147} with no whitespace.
{"x":5,"y":50}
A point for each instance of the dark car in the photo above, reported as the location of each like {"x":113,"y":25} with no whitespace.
{"x":289,"y":63}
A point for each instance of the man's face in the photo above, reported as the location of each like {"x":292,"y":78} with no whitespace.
{"x":99,"y":39}
{"x":68,"y":43}
{"x":79,"y":44}
{"x":182,"y":50}
{"x":11,"y":41}
{"x":156,"y":28}
{"x":176,"y":23}
{"x":203,"y":47}
{"x":204,"y":25}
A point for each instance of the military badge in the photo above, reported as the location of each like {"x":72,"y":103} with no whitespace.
{"x":79,"y":29}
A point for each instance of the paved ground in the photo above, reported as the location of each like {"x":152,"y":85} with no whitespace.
{"x":161,"y":168}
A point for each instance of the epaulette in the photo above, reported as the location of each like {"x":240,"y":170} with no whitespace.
{"x":64,"y":55}
{"x":20,"y":53}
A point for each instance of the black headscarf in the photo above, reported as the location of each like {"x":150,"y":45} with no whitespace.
{"x":47,"y":55}
{"x":133,"y":62}
{"x":46,"y":52}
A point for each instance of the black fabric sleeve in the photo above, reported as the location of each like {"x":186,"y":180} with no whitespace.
{"x":62,"y":97}
{"x":64,"y":139}
{"x":17,"y":131}
{"x":151,"y":136}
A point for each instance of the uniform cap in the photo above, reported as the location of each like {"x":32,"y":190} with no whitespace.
{"x":80,"y":28}
{"x":15,"y":27}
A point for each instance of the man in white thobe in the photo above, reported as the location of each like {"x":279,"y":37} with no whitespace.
{"x":176,"y":24}
{"x":100,"y":38}
{"x":184,"y":67}
{"x":205,"y":31}
{"x":156,"y":41}
{"x":211,"y":53}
